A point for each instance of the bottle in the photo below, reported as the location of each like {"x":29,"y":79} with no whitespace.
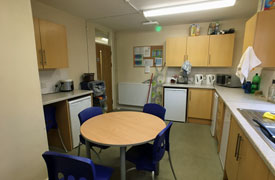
{"x":271,"y":92}
{"x":255,"y":83}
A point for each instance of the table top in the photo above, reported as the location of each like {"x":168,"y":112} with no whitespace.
{"x":123,"y":128}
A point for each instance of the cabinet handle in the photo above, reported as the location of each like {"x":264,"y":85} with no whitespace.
{"x":209,"y":59}
{"x":190,"y":94}
{"x":44,"y":55}
{"x":239,"y":147}
{"x":236,"y":148}
{"x":41,"y":54}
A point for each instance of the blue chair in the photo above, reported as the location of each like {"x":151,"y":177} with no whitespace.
{"x":84,"y":116}
{"x":69,"y":167}
{"x":49,"y":115}
{"x":146,"y":157}
{"x":155,"y":109}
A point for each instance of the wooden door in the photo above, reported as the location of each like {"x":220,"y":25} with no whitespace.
{"x":221,"y":48}
{"x":231,"y":163}
{"x":197,"y":50}
{"x":38,"y":43}
{"x":54,"y":45}
{"x":251,"y":166}
{"x":265,"y":37}
{"x":175,"y":51}
{"x":104,"y":71}
{"x":200,"y":103}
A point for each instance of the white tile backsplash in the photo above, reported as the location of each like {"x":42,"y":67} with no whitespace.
{"x":267,"y":76}
{"x":48,"y":79}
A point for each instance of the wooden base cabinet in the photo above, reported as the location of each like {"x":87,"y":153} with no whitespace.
{"x":242,"y":160}
{"x":200,"y":105}
{"x":219,"y":121}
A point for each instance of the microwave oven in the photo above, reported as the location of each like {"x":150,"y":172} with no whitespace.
{"x":228,"y":80}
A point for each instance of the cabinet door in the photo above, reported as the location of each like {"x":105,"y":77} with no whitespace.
{"x":231,"y":163}
{"x":54,"y":45}
{"x":200,"y":103}
{"x":265,"y":37}
{"x":221,"y":49}
{"x":197,"y":50}
{"x":271,"y":176}
{"x":249,"y":34}
{"x":251,"y":166}
{"x":38,"y":43}
{"x":175,"y":51}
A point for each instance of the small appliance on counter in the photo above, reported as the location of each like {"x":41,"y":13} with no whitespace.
{"x":198,"y":79}
{"x":87,"y":77}
{"x":64,"y":86}
{"x":185,"y":70}
{"x":227,"y":80}
{"x":210,"y":79}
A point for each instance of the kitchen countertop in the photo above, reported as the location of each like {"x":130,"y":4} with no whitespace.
{"x":235,"y":98}
{"x":203,"y":86}
{"x":60,"y":96}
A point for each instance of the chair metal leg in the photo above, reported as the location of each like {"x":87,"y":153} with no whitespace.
{"x":78,"y":153}
{"x":100,"y":150}
{"x":61,"y":140}
{"x":95,"y":153}
{"x":131,"y":169}
{"x":171,"y":165}
{"x":153,"y":175}
{"x":157,"y":169}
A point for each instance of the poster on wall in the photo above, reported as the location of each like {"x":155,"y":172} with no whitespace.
{"x":152,"y":53}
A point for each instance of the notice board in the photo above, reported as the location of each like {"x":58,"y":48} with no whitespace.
{"x":148,"y":55}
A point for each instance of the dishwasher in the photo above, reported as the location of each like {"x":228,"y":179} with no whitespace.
{"x":175,"y":104}
{"x":75,"y":107}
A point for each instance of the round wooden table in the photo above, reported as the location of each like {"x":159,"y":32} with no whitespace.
{"x":121,"y":129}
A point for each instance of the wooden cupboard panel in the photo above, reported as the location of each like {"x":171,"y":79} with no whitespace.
{"x":265,"y":37}
{"x":38,"y":43}
{"x":251,"y":166}
{"x":250,"y":30}
{"x":175,"y":51}
{"x":271,"y":176}
{"x":54,"y":45}
{"x":200,"y":103}
{"x":231,"y":164}
{"x":197,"y":50}
{"x":221,"y":48}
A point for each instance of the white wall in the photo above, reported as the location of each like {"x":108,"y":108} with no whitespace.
{"x":22,"y":127}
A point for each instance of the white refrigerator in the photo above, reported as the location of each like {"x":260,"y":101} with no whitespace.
{"x":175,"y":104}
{"x":76,"y":106}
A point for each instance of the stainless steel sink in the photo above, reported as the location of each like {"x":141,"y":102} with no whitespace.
{"x":249,"y":115}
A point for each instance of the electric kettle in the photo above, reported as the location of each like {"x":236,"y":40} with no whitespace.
{"x":210,"y":79}
{"x":198,"y":79}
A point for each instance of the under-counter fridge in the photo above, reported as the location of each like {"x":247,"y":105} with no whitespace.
{"x":175,"y":102}
{"x":75,"y":107}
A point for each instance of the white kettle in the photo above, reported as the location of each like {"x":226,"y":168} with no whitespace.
{"x":210,"y":79}
{"x":198,"y":79}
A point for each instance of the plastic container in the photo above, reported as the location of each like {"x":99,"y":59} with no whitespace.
{"x":255,"y":83}
{"x":271,"y":92}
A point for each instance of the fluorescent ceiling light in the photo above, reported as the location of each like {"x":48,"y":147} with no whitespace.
{"x":189,"y":8}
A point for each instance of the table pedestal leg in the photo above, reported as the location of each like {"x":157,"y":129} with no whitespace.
{"x":88,"y":153}
{"x":122,"y":163}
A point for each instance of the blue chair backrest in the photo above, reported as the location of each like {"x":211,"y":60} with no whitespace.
{"x":159,"y":145}
{"x":155,"y":109}
{"x":68,"y":167}
{"x":89,"y":113}
{"x":49,"y":115}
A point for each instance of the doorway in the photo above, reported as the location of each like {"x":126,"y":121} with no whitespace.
{"x":104,"y":71}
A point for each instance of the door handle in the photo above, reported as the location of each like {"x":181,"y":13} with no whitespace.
{"x":236,"y":147}
{"x":190,"y":94}
{"x":44,"y":55}
{"x":239,"y":147}
{"x":209,"y":59}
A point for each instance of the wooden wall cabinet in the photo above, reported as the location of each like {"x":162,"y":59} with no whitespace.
{"x":51,"y":44}
{"x":200,"y":105}
{"x":219,"y":121}
{"x":259,"y":33}
{"x":201,"y":51}
{"x":198,"y":50}
{"x":242,"y":160}
{"x":175,"y":51}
